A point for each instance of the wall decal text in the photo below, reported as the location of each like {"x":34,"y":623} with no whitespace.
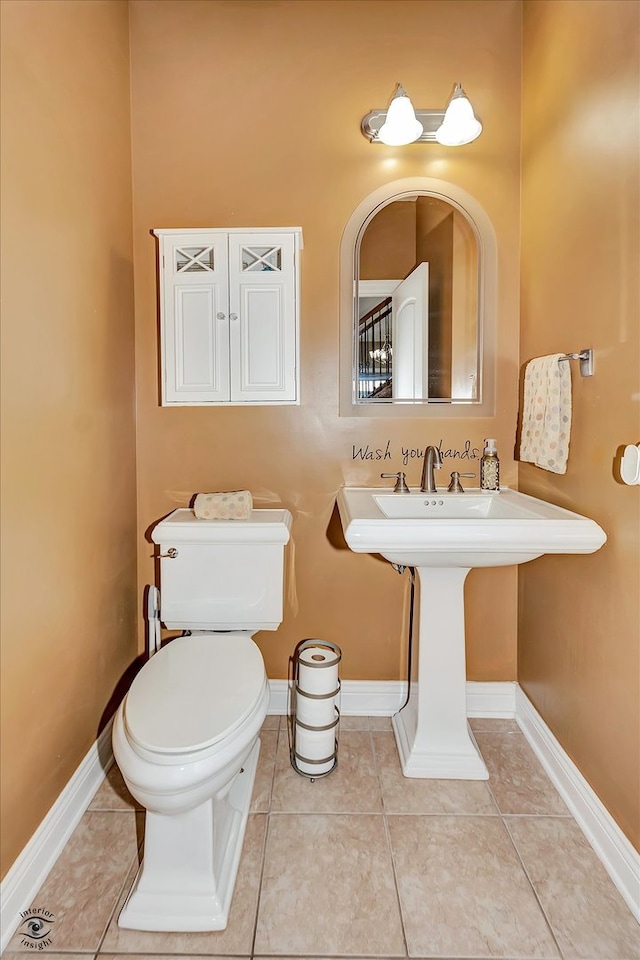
{"x":368,"y":453}
{"x":385,"y":452}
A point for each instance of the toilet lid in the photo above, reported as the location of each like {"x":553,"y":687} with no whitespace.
{"x":194,"y":692}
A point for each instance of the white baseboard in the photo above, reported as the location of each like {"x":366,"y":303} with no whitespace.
{"x":383,"y":698}
{"x":495,"y":700}
{"x":363,"y":698}
{"x":32,"y":867}
{"x":357,"y":698}
{"x":618,"y":856}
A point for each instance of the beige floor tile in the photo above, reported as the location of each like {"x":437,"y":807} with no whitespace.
{"x":402,"y":794}
{"x":328,"y":888}
{"x":586,"y":912}
{"x":50,"y":956}
{"x":379,"y":723}
{"x":352,"y":787}
{"x":83,"y":887}
{"x":516,"y":778}
{"x":463,"y":891}
{"x":236,"y":940}
{"x":353,"y":723}
{"x":112,"y":794}
{"x":271,"y":722}
{"x":261,"y":797}
{"x":489,"y":725}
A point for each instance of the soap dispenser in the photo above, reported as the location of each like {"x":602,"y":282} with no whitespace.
{"x":490,"y":466}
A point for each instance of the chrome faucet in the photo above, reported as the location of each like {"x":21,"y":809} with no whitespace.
{"x":432,"y":461}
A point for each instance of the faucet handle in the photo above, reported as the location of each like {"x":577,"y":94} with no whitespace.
{"x":401,"y":482}
{"x":455,"y":486}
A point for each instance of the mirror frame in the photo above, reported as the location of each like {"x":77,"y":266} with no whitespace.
{"x":487,"y":302}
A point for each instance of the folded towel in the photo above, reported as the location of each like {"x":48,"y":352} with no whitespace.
{"x":546,"y":414}
{"x":235,"y":505}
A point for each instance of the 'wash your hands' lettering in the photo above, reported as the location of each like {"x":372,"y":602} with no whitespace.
{"x":414,"y":453}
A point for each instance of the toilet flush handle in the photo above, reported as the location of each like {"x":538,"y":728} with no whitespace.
{"x":172,"y":553}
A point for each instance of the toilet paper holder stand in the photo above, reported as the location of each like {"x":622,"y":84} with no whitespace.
{"x":302,"y":700}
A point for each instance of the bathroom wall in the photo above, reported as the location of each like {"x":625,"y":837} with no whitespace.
{"x":69,"y":599}
{"x":248,"y":114}
{"x":238,"y":120}
{"x":579,"y":649}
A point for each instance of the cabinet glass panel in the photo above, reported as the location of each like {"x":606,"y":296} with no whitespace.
{"x":194,"y":259}
{"x":257,"y":259}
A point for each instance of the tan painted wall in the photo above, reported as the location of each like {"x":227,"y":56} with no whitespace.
{"x":69,"y":598}
{"x":579,"y":650}
{"x":249,"y":114}
{"x":388,"y":246}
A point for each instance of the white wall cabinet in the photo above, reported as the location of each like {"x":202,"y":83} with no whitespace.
{"x":229,"y":316}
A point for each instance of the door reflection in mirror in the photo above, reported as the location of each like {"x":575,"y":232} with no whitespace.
{"x":416,"y":333}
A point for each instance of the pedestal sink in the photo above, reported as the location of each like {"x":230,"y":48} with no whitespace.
{"x":444,"y":535}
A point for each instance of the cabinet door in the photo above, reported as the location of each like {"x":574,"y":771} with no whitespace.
{"x":194,"y":317}
{"x":262,"y":311}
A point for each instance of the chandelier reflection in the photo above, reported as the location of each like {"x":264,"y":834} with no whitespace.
{"x":382,"y":354}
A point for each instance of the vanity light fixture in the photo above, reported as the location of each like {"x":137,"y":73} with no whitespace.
{"x":401,"y":124}
{"x":460,"y":124}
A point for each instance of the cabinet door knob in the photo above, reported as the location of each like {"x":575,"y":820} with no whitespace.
{"x":220,"y":316}
{"x":233,"y":316}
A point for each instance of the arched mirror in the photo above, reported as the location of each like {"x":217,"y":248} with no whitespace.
{"x":418,"y":329}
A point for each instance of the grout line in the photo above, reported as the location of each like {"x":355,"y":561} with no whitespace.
{"x":538,"y":816}
{"x":259,"y":897}
{"x":265,"y":841}
{"x":394,"y":873}
{"x":387,"y":834}
{"x":376,"y":767}
{"x":532,"y":885}
{"x":278,"y":733}
{"x":136,"y":858}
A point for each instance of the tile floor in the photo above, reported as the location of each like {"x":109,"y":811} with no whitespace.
{"x":365,"y":864}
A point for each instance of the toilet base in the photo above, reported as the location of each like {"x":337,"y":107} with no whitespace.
{"x":187,"y":877}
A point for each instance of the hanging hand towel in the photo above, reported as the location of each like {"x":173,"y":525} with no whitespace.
{"x":235,"y":505}
{"x":546,"y":415}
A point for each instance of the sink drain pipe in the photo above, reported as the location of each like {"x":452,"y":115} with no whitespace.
{"x":399,"y":568}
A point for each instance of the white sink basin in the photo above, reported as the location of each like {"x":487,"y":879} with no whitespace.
{"x":471,"y":529}
{"x":444,"y":535}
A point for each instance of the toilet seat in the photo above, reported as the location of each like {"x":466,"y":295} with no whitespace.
{"x":193,"y":694}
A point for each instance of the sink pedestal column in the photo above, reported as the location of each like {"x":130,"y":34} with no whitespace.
{"x":432,"y":734}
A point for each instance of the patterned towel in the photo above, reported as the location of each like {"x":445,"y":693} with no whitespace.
{"x":235,"y":505}
{"x":546,"y":415}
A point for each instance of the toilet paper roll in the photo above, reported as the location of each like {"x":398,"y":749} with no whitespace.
{"x":315,"y":713}
{"x":315,"y":745}
{"x":318,"y":670}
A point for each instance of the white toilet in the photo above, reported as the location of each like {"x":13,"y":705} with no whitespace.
{"x":186,"y":735}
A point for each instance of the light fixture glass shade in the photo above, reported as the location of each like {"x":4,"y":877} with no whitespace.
{"x":401,"y":125}
{"x":459,"y":125}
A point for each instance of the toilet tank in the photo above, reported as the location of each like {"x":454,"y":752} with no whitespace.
{"x":224,"y":574}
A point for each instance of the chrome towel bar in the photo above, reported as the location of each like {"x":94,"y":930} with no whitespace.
{"x":586,"y":361}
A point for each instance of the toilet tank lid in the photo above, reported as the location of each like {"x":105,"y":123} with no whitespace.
{"x":263,"y":526}
{"x":193,"y":692}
